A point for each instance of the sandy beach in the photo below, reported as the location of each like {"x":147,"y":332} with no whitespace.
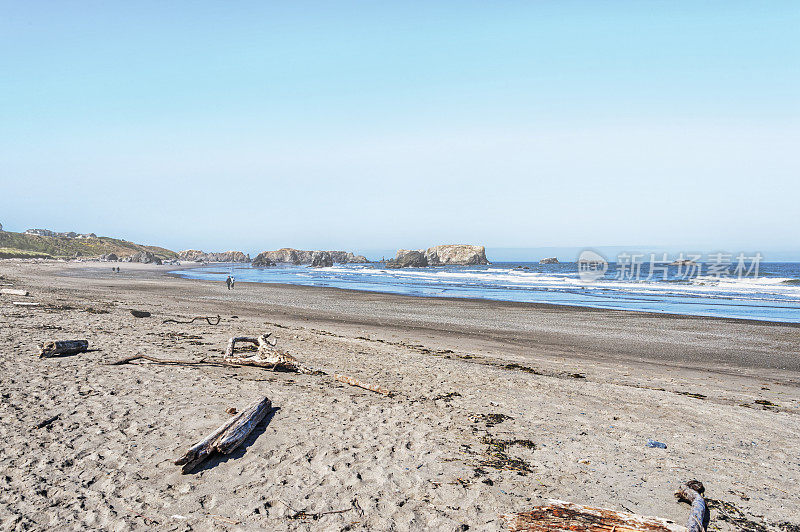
{"x":571,"y":395}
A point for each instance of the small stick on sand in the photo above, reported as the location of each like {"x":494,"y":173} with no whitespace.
{"x":228,"y":436}
{"x":24,"y":304}
{"x":355,"y":382}
{"x":691,"y":493}
{"x":43,"y":424}
{"x":209,"y":319}
{"x":66,"y":347}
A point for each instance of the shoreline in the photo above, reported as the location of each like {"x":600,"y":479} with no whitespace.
{"x":522,"y":303}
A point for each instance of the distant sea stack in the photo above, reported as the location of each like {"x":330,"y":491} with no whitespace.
{"x":447,"y":254}
{"x":299,"y":256}
{"x":549,"y":260}
{"x":194,"y":255}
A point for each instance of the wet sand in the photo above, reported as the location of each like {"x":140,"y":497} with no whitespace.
{"x":586,"y":387}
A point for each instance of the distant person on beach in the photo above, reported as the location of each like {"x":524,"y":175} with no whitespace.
{"x":228,"y":282}
{"x":233,"y":282}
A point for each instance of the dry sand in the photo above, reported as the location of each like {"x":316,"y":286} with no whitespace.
{"x":587,"y":388}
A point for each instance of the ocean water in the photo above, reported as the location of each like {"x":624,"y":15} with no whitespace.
{"x":773,"y":295}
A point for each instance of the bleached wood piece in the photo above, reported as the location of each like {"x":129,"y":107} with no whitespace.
{"x":24,"y":304}
{"x":228,"y":436}
{"x":355,"y":382}
{"x":65,"y":347}
{"x":690,"y":492}
{"x":267,"y":355}
{"x":13,"y":292}
{"x":562,"y":516}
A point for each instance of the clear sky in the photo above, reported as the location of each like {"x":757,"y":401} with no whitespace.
{"x":365,"y":125}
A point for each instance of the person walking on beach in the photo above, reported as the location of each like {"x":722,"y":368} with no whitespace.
{"x":228,"y":282}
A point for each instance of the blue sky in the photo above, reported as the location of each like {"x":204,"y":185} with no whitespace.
{"x":377,"y":125}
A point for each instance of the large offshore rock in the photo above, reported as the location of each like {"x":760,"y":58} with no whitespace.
{"x":299,"y":256}
{"x":408,"y":259}
{"x":549,"y":260}
{"x":456,"y":254}
{"x":321,"y":259}
{"x":225,"y":256}
{"x":347,"y":257}
{"x":262,"y":261}
{"x":463,"y":254}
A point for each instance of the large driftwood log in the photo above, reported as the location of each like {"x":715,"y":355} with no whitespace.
{"x":66,"y":347}
{"x":562,"y":516}
{"x":13,"y":292}
{"x":228,"y":436}
{"x":367,"y":386}
{"x":691,"y":493}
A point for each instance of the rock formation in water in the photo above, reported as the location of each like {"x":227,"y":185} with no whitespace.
{"x":299,"y":256}
{"x":321,"y":259}
{"x":408,"y":259}
{"x":549,"y":260}
{"x":448,"y":254}
{"x":200,"y":256}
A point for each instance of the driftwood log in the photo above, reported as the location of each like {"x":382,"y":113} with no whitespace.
{"x":13,"y":292}
{"x":562,"y":516}
{"x":212,"y":320}
{"x":66,"y":347}
{"x":355,"y":382}
{"x":267,"y":356}
{"x":228,"y":436}
{"x":25,"y":304}
{"x":691,"y":493}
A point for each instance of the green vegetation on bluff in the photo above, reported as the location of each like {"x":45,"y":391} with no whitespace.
{"x":21,"y":245}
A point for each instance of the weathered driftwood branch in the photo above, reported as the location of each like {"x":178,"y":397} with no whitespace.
{"x":209,"y":319}
{"x":564,"y":516}
{"x":266,"y":356}
{"x":66,"y":347}
{"x":691,"y":493}
{"x":228,"y":436}
{"x":25,"y":303}
{"x":355,"y":382}
{"x":165,"y":361}
{"x":13,"y":292}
